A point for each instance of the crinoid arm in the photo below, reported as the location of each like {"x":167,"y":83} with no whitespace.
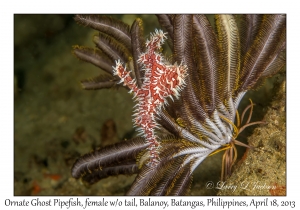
{"x":119,"y":158}
{"x":173,"y":174}
{"x":115,"y":41}
{"x":110,"y":26}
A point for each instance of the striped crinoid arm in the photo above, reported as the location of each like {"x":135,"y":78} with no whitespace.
{"x":150,"y":175}
{"x":207,"y":60}
{"x":228,"y":40}
{"x":110,"y":26}
{"x":171,"y":176}
{"x":138,"y":46}
{"x":111,"y":160}
{"x":265,"y":53}
{"x":95,"y":57}
{"x":128,"y":167}
{"x":248,"y":30}
{"x":115,"y":41}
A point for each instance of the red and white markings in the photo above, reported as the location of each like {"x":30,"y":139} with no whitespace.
{"x":161,"y":80}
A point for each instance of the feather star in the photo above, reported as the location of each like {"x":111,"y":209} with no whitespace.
{"x":222,"y":63}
